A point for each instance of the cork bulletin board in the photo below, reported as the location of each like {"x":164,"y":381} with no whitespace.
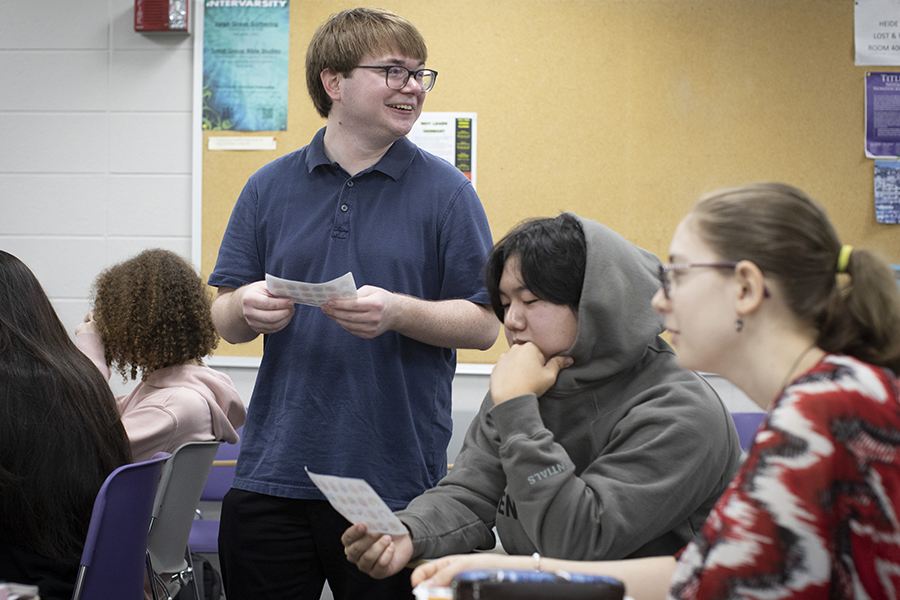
{"x":622,"y":111}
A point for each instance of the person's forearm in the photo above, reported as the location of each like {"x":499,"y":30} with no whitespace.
{"x":448,"y":323}
{"x":228,"y":317}
{"x":644,"y":578}
{"x":91,"y":345}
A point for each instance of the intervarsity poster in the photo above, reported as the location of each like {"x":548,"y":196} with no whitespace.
{"x":245,"y":64}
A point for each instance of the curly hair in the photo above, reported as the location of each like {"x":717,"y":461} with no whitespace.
{"x":153,"y":311}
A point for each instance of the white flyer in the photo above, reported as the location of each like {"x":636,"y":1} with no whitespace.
{"x":312,"y":294}
{"x":876,"y":25}
{"x":358,"y":503}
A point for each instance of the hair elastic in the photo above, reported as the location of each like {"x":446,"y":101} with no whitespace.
{"x":844,"y":258}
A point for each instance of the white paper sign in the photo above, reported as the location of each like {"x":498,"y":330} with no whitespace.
{"x":451,"y":136}
{"x":358,"y":503}
{"x":312,"y":294}
{"x":247,"y":142}
{"x":876,"y":25}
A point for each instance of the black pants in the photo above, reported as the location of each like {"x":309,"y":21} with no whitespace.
{"x":284,"y":549}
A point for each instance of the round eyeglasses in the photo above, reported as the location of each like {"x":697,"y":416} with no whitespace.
{"x":666,"y":269}
{"x":397,"y":77}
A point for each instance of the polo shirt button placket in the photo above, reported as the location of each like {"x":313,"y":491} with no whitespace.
{"x":344,"y":207}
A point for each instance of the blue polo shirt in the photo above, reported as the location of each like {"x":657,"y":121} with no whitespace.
{"x":325,"y":399}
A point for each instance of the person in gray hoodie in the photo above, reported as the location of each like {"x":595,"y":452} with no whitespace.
{"x":592,"y":443}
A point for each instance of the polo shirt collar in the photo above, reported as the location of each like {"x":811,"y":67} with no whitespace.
{"x":393,"y":164}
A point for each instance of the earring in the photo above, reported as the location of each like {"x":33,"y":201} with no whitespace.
{"x":739,"y":325}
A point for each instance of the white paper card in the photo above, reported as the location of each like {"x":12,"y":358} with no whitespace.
{"x":244,"y":142}
{"x":358,"y":503}
{"x":422,"y":592}
{"x":312,"y":294}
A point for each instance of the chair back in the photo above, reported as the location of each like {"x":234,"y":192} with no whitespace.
{"x":205,"y":532}
{"x":176,"y":504}
{"x":113,"y":560}
{"x":222,"y":473}
{"x":747,"y":423}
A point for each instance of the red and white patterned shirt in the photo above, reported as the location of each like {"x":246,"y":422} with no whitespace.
{"x":813,"y":511}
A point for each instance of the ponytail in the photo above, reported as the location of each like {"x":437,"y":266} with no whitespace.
{"x":862,"y":317}
{"x":850,"y":296}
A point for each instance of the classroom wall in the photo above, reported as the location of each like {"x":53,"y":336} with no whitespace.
{"x":622,"y":111}
{"x":95,"y":159}
{"x":95,"y":163}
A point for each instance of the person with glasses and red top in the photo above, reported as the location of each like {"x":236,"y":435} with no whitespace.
{"x":361,"y":387}
{"x":762,"y":291}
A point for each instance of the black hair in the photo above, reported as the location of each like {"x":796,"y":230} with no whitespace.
{"x":60,"y":432}
{"x":552,"y":254}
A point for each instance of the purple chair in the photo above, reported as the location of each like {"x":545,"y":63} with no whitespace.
{"x":204,"y":537}
{"x":747,"y":423}
{"x":114,"y":558}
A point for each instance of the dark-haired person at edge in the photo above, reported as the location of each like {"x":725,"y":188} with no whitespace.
{"x":592,"y":443}
{"x":361,"y":387}
{"x":60,"y":437}
{"x":152,"y":315}
{"x":761,"y":290}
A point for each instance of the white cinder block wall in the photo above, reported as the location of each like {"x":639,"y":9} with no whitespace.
{"x":95,"y":159}
{"x":95,"y":163}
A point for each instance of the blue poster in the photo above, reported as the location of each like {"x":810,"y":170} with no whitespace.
{"x":882,"y":115}
{"x":245,"y":64}
{"x":887,"y":191}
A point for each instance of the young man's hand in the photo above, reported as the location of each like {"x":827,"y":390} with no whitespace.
{"x":523,"y":370}
{"x":378,"y":555}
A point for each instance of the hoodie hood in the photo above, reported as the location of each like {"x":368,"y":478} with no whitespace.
{"x":623,"y":457}
{"x":616,"y":322}
{"x":225,"y":405}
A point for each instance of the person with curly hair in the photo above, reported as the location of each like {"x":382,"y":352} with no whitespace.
{"x":152,"y":317}
{"x":60,"y":437}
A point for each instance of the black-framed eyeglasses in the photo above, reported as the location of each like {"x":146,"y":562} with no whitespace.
{"x":396,"y":77}
{"x":666,"y":268}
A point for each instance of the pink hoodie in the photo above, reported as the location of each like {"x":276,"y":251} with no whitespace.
{"x":175,"y":405}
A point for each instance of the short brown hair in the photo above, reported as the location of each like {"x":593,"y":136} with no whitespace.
{"x":341,"y":42}
{"x":789,"y":237}
{"x":153,"y":311}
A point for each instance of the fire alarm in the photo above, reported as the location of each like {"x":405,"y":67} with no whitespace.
{"x":161,"y":15}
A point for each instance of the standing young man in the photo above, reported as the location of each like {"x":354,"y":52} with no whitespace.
{"x":360,"y":388}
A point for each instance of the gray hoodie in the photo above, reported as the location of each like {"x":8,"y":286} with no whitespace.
{"x":624,"y":456}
